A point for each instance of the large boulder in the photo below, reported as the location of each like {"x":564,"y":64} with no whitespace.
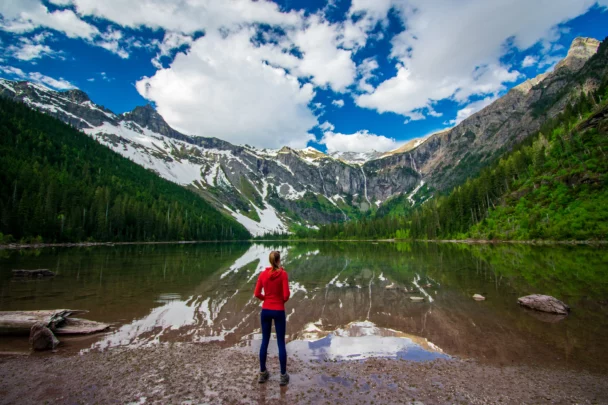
{"x":42,"y":338}
{"x":544,"y":303}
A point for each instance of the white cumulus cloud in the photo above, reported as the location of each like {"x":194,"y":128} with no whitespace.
{"x":437,"y":59}
{"x":246,"y":83}
{"x":37,"y":77}
{"x":529,"y":60}
{"x":365,"y":73}
{"x":324,"y":61}
{"x":31,"y":48}
{"x":360,"y":141}
{"x":171,"y":41}
{"x":338,"y":103}
{"x":223,"y":88}
{"x":327,"y":126}
{"x":27,"y":15}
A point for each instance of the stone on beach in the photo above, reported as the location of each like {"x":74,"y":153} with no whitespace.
{"x":42,"y":338}
{"x":544,"y":303}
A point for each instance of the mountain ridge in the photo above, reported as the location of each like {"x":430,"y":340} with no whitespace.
{"x":62,"y":186}
{"x":478,"y":140}
{"x":277,"y":190}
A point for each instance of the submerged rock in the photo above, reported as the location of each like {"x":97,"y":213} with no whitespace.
{"x":545,"y":316}
{"x":33,"y":273}
{"x":478,"y":297}
{"x":544,"y":303}
{"x":42,"y":338}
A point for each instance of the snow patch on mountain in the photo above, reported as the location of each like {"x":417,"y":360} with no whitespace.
{"x":140,"y":149}
{"x":7,"y":84}
{"x":287,"y":191}
{"x":357,"y":158}
{"x":53,"y":108}
{"x":410,"y":197}
{"x":269,"y":221}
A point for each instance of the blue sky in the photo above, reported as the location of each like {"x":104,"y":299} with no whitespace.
{"x":349,"y":75}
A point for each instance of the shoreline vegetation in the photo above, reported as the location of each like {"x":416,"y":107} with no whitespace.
{"x":18,"y":246}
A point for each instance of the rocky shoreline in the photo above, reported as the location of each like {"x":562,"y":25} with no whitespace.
{"x":539,"y":242}
{"x":204,"y":373}
{"x":17,"y":246}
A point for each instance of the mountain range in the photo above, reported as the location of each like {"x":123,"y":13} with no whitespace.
{"x":279,"y":190}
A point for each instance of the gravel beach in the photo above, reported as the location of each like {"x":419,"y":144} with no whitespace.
{"x":208,"y":374}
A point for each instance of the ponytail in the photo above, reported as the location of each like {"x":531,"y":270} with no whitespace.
{"x":275,"y":260}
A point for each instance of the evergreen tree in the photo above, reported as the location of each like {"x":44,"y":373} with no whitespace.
{"x":60,"y":185}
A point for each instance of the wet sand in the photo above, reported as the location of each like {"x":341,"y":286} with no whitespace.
{"x":205,"y":373}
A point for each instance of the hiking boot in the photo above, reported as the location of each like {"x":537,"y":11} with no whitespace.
{"x":284,"y":379}
{"x":263,"y":377}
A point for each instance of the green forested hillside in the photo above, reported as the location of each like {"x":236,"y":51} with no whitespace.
{"x":59,"y":185}
{"x":562,"y":193}
{"x":553,"y":186}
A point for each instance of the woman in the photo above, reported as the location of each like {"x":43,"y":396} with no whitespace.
{"x":275,"y":283}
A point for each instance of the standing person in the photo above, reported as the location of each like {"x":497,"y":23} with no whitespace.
{"x":275,"y":283}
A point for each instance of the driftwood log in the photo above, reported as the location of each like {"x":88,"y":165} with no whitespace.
{"x":57,"y":320}
{"x":33,"y":273}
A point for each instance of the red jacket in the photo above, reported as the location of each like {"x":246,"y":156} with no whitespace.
{"x":276,"y":289}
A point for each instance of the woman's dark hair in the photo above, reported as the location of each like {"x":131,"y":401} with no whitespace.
{"x":275,"y":259}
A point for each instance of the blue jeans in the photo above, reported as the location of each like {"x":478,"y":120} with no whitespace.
{"x":267,"y":316}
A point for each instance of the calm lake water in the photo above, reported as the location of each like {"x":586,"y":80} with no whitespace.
{"x":341,"y":307}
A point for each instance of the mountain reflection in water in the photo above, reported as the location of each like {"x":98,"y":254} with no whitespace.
{"x":356,"y":341}
{"x":349,"y":300}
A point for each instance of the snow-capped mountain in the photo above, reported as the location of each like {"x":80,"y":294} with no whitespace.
{"x":266,"y":190}
{"x":273,"y":190}
{"x":358,"y":158}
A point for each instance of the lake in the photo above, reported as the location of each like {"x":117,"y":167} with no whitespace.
{"x":349,"y":300}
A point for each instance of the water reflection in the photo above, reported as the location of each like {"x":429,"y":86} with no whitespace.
{"x":349,"y":301}
{"x":356,"y":341}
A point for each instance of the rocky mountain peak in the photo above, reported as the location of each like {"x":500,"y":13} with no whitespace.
{"x":526,"y":86}
{"x":286,"y":149}
{"x":147,"y":117}
{"x":76,"y":96}
{"x":580,"y":51}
